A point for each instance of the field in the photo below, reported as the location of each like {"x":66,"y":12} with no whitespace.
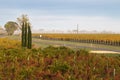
{"x":54,"y":63}
{"x":112,"y":37}
{"x":59,"y":40}
{"x":42,"y":42}
{"x":106,"y":39}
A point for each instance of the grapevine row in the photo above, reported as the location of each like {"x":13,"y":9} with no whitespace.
{"x":105,"y":39}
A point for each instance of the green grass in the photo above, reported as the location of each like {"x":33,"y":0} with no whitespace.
{"x":74,"y":45}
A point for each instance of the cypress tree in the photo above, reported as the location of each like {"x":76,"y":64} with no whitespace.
{"x":25,"y":34}
{"x":23,"y":25}
{"x":29,"y":38}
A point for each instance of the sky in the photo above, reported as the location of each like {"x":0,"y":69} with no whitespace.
{"x":100,"y":15}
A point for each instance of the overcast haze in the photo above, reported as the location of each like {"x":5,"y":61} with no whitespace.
{"x":64,"y":14}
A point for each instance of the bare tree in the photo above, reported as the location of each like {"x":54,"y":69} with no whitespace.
{"x":20,"y":20}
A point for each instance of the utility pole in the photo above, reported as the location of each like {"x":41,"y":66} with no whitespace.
{"x":77,"y":28}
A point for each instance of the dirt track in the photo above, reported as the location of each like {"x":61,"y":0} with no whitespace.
{"x":106,"y":52}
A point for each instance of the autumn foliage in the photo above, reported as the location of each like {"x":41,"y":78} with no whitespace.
{"x":54,"y":63}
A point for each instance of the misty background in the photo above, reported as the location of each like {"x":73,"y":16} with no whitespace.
{"x":60,"y":15}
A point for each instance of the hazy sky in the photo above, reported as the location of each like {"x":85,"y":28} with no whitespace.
{"x":64,"y":14}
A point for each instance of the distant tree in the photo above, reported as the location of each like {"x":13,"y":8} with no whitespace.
{"x":11,"y":27}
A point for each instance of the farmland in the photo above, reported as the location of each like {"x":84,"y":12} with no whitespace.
{"x":112,"y":37}
{"x":54,"y":63}
{"x":59,"y":40}
{"x":45,"y":42}
{"x":105,"y":39}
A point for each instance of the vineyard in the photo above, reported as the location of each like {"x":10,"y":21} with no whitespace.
{"x":54,"y":63}
{"x":105,"y":39}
